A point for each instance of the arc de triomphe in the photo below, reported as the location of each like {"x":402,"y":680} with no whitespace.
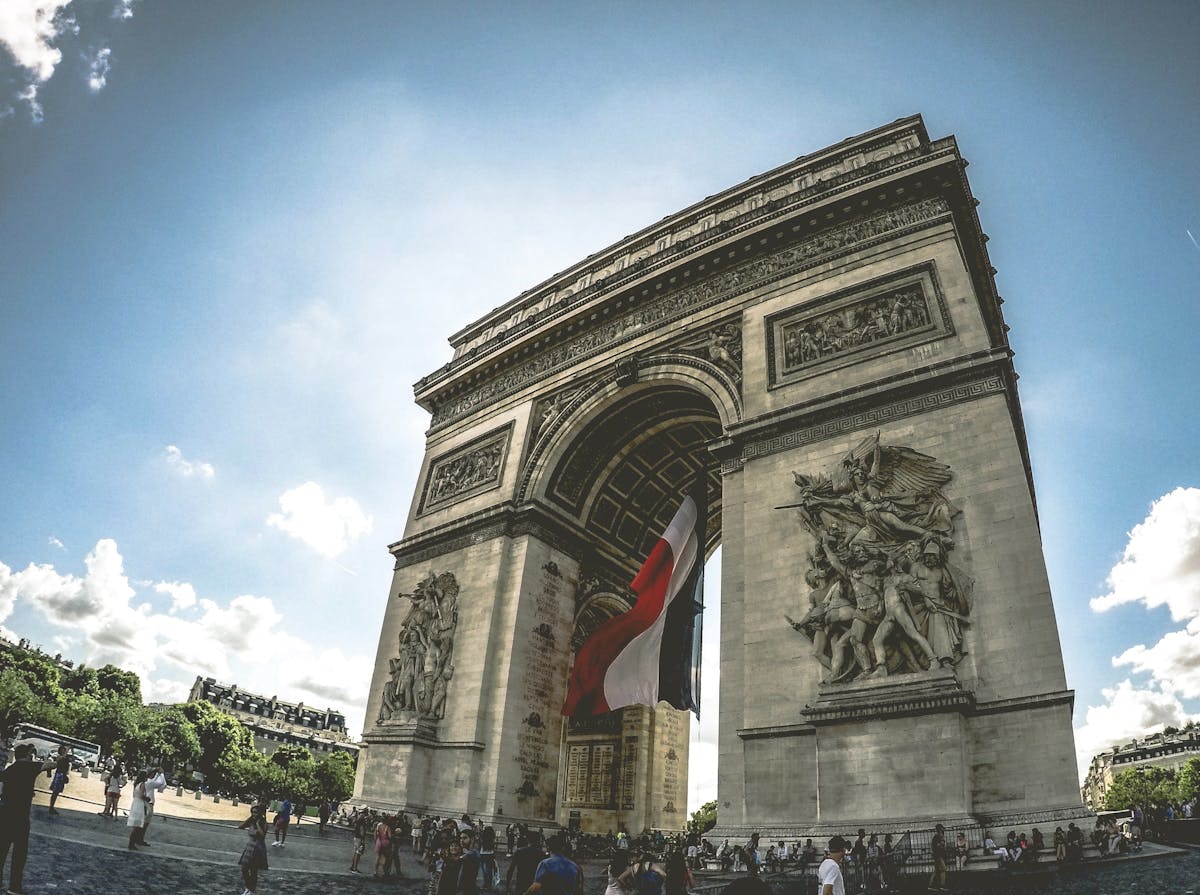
{"x":826,"y":338}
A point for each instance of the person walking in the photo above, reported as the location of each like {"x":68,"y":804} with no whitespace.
{"x":558,"y":874}
{"x":829,"y":874}
{"x":114,"y":781}
{"x":18,"y":779}
{"x":155,"y":783}
{"x":62,"y":776}
{"x":254,"y":855}
{"x":524,"y":864}
{"x":137,"y":812}
{"x":938,"y":847}
{"x":283,"y":817}
{"x":362,"y":827}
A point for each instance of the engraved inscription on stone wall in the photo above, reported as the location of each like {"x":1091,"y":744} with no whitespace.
{"x":672,"y":730}
{"x":545,"y":673}
{"x":468,"y":471}
{"x":629,"y":761}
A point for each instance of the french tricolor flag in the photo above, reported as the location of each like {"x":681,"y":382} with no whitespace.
{"x":652,"y":652}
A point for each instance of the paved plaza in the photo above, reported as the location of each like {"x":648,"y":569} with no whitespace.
{"x":83,"y":854}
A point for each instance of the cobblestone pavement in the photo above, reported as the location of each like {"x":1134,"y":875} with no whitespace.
{"x":78,"y":853}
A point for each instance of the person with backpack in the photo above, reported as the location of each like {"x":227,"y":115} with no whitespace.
{"x":648,"y":876}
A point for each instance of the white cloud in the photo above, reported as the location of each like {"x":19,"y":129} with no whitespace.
{"x":188,"y":468}
{"x":102,"y":611}
{"x":1128,"y":712}
{"x":33,"y":31}
{"x":1159,"y":567}
{"x":98,"y":68}
{"x":1161,"y":563}
{"x":1174,"y":662}
{"x":328,"y":528}
{"x":55,"y":542}
{"x":28,"y":28}
{"x":183,"y":595}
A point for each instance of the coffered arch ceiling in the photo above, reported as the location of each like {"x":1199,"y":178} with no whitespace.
{"x":626,"y":471}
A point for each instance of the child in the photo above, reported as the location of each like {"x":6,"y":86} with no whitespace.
{"x":254,"y":855}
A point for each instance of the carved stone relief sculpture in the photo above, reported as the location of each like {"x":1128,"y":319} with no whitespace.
{"x":720,"y":345}
{"x":423,"y":666}
{"x":468,"y":471}
{"x":880,"y":318}
{"x":882,"y":597}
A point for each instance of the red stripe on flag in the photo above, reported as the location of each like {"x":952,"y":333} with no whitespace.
{"x":585,"y":692}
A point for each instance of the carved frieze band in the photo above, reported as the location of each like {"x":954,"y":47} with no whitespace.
{"x":679,"y":303}
{"x":945,"y":397}
{"x":469,"y":470}
{"x":894,"y":312}
{"x":859,"y":165}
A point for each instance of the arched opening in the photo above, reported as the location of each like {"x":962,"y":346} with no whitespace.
{"x":623,"y":476}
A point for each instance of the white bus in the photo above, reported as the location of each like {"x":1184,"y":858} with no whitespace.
{"x":47,"y":742}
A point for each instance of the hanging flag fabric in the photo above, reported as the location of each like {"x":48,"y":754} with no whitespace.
{"x":652,"y":652}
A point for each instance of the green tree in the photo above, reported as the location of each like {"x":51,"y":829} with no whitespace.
{"x":704,"y":818}
{"x":119,"y":683}
{"x":1188,"y":786}
{"x":287,"y":755}
{"x":80,"y":680}
{"x":223,"y":740}
{"x":107,"y":720}
{"x":1140,"y":787}
{"x":38,"y":671}
{"x":18,"y":702}
{"x":334,"y":777}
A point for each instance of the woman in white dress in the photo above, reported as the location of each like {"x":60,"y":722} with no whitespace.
{"x":137,"y":811}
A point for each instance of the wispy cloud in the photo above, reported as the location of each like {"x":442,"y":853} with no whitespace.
{"x":326,"y":527}
{"x":188,"y":468}
{"x":33,"y":31}
{"x":98,"y":68}
{"x":55,"y":542}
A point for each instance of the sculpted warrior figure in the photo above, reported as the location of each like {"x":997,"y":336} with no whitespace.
{"x":881,"y":597}
{"x":420,"y":671}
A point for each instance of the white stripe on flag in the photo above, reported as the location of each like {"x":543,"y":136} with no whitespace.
{"x":632,"y":678}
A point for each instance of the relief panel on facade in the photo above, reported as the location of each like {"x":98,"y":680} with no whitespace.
{"x":465,"y":472}
{"x":883,"y":598}
{"x":856,"y":324}
{"x":423,"y":667}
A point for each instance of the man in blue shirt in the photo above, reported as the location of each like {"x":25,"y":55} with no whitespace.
{"x":558,"y":874}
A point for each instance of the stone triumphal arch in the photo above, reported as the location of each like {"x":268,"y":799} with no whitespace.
{"x":825,"y":344}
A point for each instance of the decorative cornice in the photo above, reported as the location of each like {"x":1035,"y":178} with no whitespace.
{"x":503,"y":520}
{"x":675,"y":304}
{"x":827,"y":172}
{"x":852,"y":412}
{"x":1022,"y":703}
{"x":921,"y":704}
{"x":777,"y":731}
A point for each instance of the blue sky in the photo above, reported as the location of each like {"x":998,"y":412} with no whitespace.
{"x":233,"y":234}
